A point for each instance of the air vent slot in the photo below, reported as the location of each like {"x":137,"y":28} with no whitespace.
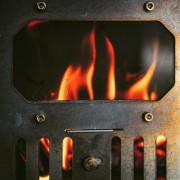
{"x":67,"y":155}
{"x":21,"y":159}
{"x":44,"y":151}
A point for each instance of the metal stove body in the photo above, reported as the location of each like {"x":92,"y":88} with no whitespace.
{"x":17,"y":115}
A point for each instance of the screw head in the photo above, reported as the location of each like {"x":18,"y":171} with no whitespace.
{"x":40,"y":118}
{"x":92,"y":163}
{"x":149,"y":6}
{"x":148,"y":117}
{"x":41,"y":6}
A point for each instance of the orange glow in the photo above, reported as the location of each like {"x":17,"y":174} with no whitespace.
{"x":75,"y":78}
{"x":45,"y":143}
{"x":161,"y":145}
{"x":140,"y":144}
{"x":153,"y":96}
{"x":161,"y":157}
{"x":138,"y":151}
{"x":67,"y":153}
{"x":44,"y":177}
{"x":161,"y":152}
{"x":140,"y":89}
{"x":160,"y":140}
{"x":111,"y":90}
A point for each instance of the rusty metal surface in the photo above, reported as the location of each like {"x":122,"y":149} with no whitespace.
{"x":16,"y":115}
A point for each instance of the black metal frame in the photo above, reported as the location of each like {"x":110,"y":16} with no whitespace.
{"x":17,"y":115}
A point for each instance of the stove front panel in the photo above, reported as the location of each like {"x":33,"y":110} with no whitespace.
{"x":21,"y":119}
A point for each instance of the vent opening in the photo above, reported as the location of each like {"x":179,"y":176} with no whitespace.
{"x":161,"y":142}
{"x":67,"y":156}
{"x":21,"y":159}
{"x":44,"y":151}
{"x":116,"y":158}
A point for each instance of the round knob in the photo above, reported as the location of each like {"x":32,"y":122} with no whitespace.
{"x":92,"y":163}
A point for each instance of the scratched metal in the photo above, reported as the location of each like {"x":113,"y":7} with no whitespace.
{"x":16,"y":115}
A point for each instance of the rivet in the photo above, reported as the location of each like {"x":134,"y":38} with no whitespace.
{"x":149,"y":6}
{"x":148,"y":117}
{"x":40,"y":118}
{"x":41,"y":6}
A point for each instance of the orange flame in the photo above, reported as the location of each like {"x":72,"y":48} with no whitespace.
{"x":140,"y":89}
{"x":111,"y":90}
{"x":75,"y":78}
{"x":45,"y":143}
{"x":67,"y":153}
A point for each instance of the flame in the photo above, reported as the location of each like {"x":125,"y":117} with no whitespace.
{"x":140,"y":89}
{"x":153,"y":95}
{"x":45,"y":143}
{"x":75,"y":78}
{"x":111,"y":90}
{"x":67,"y":153}
{"x":44,"y":177}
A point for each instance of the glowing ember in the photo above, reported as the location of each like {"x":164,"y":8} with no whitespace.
{"x":67,"y":154}
{"x":44,"y":177}
{"x":75,"y":78}
{"x":140,"y":89}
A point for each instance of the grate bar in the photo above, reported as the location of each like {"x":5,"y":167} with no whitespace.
{"x":127,"y":158}
{"x":56,"y":160}
{"x":32,"y":160}
{"x":173,"y":157}
{"x":149,"y":158}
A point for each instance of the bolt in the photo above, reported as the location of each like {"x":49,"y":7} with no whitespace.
{"x":148,"y":117}
{"x":40,"y":118}
{"x":41,"y":6}
{"x":149,"y":6}
{"x":92,"y":163}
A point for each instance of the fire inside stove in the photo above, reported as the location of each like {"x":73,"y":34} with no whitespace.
{"x":93,"y":61}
